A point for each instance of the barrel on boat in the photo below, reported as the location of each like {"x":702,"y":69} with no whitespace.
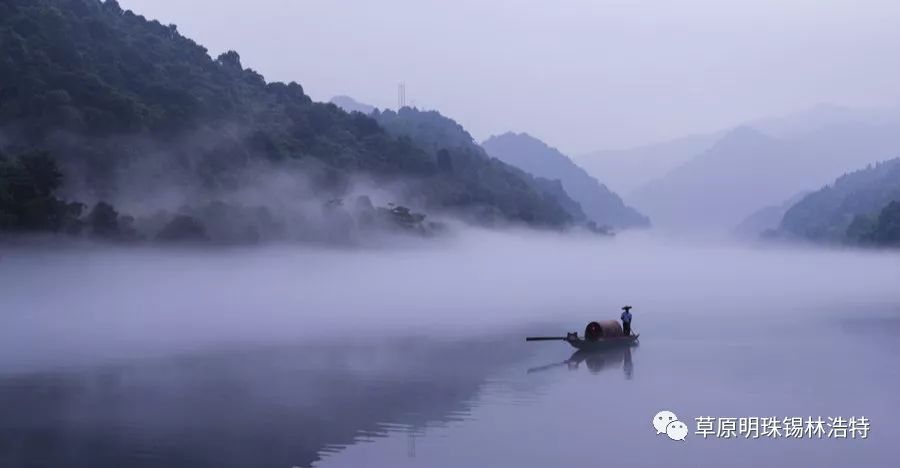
{"x":603,"y":329}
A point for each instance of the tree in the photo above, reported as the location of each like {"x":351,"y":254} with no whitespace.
{"x":860,"y":228}
{"x":230,"y":60}
{"x":886,"y":230}
{"x":113,"y":5}
{"x":104,"y":221}
{"x":42,"y":171}
{"x":27,"y":200}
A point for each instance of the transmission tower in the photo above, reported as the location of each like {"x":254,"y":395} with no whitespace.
{"x":401,"y":96}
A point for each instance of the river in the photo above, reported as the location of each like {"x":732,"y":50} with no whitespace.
{"x":414,"y":356}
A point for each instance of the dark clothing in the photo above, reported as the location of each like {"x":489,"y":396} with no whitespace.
{"x":626,"y":322}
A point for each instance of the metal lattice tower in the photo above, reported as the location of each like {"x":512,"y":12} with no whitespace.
{"x":401,"y":96}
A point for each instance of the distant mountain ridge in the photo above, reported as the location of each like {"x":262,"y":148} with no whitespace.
{"x":534,"y":156}
{"x":693,"y":194}
{"x":348,"y":104}
{"x":626,"y":170}
{"x":748,"y":169}
{"x":766,"y":219}
{"x":808,"y":149}
{"x":823,"y":115}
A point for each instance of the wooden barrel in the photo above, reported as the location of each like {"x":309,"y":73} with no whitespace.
{"x":603,"y":329}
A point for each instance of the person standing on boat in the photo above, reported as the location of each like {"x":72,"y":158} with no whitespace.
{"x":626,"y":320}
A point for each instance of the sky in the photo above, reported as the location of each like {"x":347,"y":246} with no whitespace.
{"x":581,"y":75}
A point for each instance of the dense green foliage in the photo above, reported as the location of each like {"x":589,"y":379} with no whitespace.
{"x":95,"y":71}
{"x":127,"y":104}
{"x":857,"y":208}
{"x":29,"y":203}
{"x":27,"y":196}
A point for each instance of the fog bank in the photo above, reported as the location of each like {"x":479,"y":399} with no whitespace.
{"x":76,"y":306}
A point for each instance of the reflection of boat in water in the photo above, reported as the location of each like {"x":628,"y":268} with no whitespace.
{"x":599,"y":360}
{"x":596,"y":360}
{"x":606,"y":334}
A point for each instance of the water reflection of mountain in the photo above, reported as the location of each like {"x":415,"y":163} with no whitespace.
{"x":274,"y":407}
{"x":596,"y":361}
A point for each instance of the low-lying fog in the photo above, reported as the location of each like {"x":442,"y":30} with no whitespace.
{"x":86,"y":305}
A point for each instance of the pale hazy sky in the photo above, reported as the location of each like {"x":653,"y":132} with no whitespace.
{"x":580,"y":74}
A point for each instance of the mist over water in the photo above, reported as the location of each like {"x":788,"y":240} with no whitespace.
{"x":303,"y":356}
{"x":107,"y":303}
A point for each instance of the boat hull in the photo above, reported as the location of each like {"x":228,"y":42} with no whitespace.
{"x":603,"y":343}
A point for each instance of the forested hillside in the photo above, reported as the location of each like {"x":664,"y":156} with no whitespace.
{"x":532,"y":155}
{"x":137,"y":115}
{"x":860,"y":207}
{"x":493,"y":183}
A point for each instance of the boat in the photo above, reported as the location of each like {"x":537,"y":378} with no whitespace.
{"x":600,"y":335}
{"x":603,"y":343}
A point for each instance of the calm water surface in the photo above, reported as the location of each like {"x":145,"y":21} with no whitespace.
{"x":124,"y":359}
{"x":478,"y":401}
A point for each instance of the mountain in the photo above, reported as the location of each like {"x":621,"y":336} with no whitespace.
{"x":766,"y":219}
{"x":821,"y":116}
{"x":132,"y":113}
{"x":712,"y":188}
{"x":348,"y":104}
{"x":629,"y":170}
{"x":625,"y":170}
{"x":457,"y":153}
{"x":534,"y":156}
{"x":850,"y":209}
{"x":747,"y":169}
{"x":882,"y":230}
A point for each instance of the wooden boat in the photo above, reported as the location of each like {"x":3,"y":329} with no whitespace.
{"x":597,"y":336}
{"x":603,"y":343}
{"x":590,"y":345}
